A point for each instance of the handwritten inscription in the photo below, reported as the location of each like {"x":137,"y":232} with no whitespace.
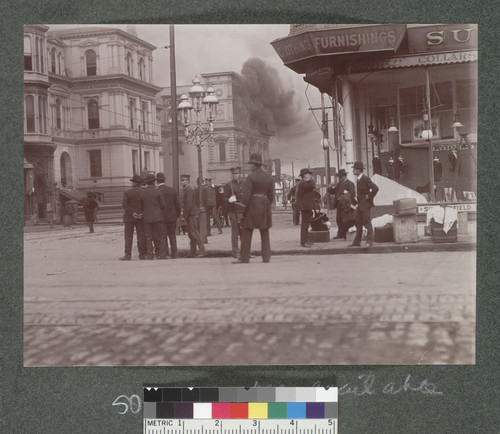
{"x":129,"y":403}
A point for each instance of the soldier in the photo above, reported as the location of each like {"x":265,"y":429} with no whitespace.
{"x":233,"y":193}
{"x":171,"y":213}
{"x":365,"y":192}
{"x":153,"y":205}
{"x":190,"y":212}
{"x":258,"y":195}
{"x":132,"y":218}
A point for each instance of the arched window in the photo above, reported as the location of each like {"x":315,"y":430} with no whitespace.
{"x":58,"y":113}
{"x":144,"y":113}
{"x":142,"y":70}
{"x":37,"y":55}
{"x":222,"y":150}
{"x":91,"y":61}
{"x":28,"y":61}
{"x":130,"y":65}
{"x":131,"y":112}
{"x":53,"y":60}
{"x":30,"y":114}
{"x":60,"y":64}
{"x":66,"y":173}
{"x":93,"y":114}
{"x":42,"y":115}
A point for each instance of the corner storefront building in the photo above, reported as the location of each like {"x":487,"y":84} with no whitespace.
{"x":394,"y":84}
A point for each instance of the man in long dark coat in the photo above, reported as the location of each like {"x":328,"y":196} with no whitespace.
{"x":90,"y":207}
{"x":153,"y":206}
{"x":305,"y":204}
{"x":345,"y":194}
{"x":171,"y":213}
{"x":292,"y":196}
{"x":258,"y":195}
{"x":233,"y":195}
{"x":191,"y":214}
{"x":365,"y":192}
{"x":132,"y":218}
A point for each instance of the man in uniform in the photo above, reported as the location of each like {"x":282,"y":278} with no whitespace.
{"x":153,"y":206}
{"x":132,"y":218}
{"x":171,"y":213}
{"x":258,"y":195}
{"x":190,"y":212}
{"x":233,"y":193}
{"x":366,"y":191}
{"x":345,"y":194}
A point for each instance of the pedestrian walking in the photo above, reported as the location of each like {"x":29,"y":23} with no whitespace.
{"x":153,"y":206}
{"x":305,"y":204}
{"x":133,"y":219}
{"x":190,"y":213}
{"x":233,"y":193}
{"x":90,"y":207}
{"x":258,"y":195}
{"x":365,"y":192}
{"x":171,"y":213}
{"x":292,"y":195}
{"x":211,"y":206}
{"x":344,"y":194}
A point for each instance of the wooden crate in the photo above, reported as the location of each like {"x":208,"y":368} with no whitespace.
{"x":405,"y":228}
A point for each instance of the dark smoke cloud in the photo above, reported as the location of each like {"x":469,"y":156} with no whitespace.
{"x":260,"y":99}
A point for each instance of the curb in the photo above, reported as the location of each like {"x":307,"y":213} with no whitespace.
{"x":392,"y":248}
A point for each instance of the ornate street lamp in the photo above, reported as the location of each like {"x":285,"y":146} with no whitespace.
{"x":198,"y":133}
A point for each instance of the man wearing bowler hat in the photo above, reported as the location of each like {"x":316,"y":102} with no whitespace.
{"x":191,"y":213}
{"x":305,"y":204}
{"x":153,"y":205}
{"x":132,"y":218}
{"x":365,"y":192}
{"x":258,"y":195}
{"x":171,"y":213}
{"x":344,"y":193}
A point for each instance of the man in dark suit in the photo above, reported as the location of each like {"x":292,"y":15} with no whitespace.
{"x":153,"y":206}
{"x":345,"y":194}
{"x":258,"y":195}
{"x":305,"y":204}
{"x":132,"y":218}
{"x":233,"y":194}
{"x":171,"y":213}
{"x":191,"y":213}
{"x":292,"y":196}
{"x":365,"y":192}
{"x":210,"y":196}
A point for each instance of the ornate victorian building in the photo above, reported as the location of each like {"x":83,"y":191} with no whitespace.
{"x":90,"y":115}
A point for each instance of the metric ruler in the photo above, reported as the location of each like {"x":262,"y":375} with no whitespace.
{"x":240,"y":426}
{"x":240,"y":410}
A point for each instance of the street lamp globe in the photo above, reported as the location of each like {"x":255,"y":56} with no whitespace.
{"x":211,"y":101}
{"x":427,"y":134}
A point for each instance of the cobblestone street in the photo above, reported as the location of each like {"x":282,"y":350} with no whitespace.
{"x":83,"y":307}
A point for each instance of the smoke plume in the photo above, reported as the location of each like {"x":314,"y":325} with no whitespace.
{"x":260,"y":99}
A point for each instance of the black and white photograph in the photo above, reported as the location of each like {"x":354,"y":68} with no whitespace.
{"x":275,"y":194}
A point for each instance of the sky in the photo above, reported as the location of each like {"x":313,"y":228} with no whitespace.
{"x":219,"y":48}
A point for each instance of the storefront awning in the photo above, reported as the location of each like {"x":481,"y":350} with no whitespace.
{"x":425,"y":59}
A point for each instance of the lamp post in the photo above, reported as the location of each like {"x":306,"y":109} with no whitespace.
{"x":198,"y":133}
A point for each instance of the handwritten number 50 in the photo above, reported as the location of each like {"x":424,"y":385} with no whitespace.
{"x":132,"y":403}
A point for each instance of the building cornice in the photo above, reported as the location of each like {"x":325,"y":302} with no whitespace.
{"x":118,"y":79}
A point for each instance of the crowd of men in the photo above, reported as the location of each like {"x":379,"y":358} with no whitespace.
{"x":154,"y":211}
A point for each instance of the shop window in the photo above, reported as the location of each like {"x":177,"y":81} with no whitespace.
{"x":93,"y":114}
{"x":28,"y":60}
{"x":58,"y":113}
{"x":30,"y":114}
{"x":95,"y":164}
{"x":91,"y":62}
{"x":467,"y":103}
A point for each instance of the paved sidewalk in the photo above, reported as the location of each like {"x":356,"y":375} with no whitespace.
{"x":284,"y":240}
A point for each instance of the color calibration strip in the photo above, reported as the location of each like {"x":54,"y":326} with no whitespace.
{"x":239,"y":410}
